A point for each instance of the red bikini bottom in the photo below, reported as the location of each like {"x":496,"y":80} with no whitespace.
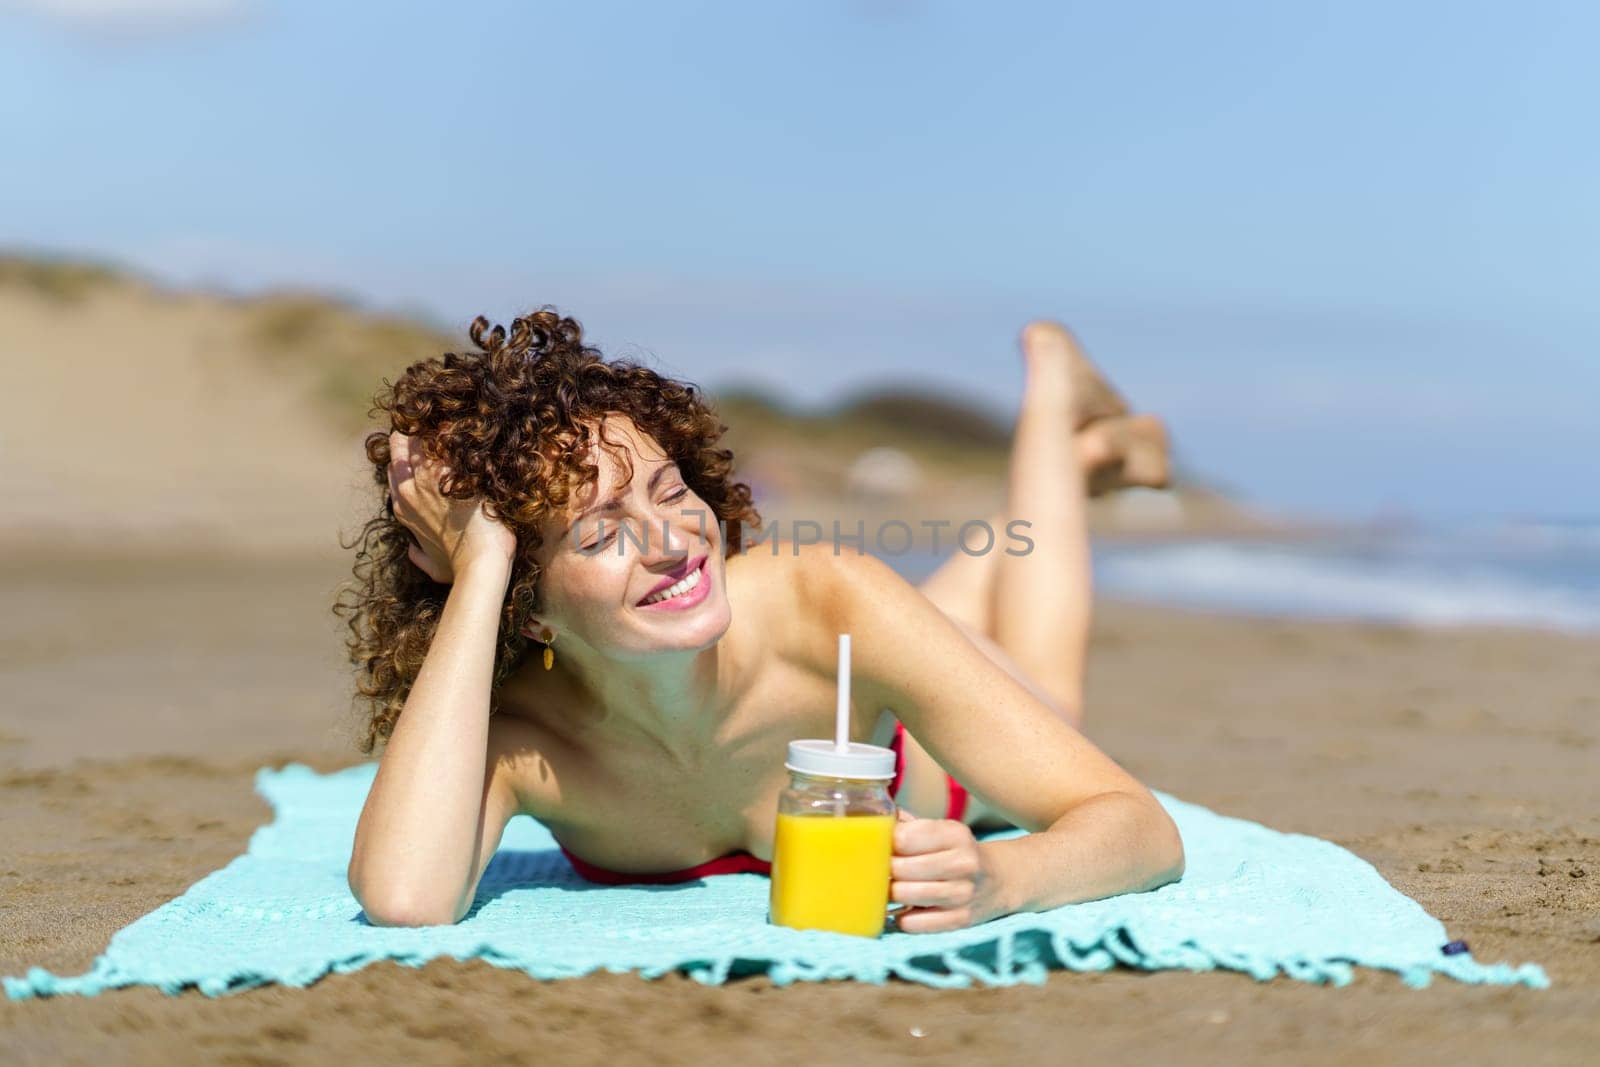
{"x":742,"y":862}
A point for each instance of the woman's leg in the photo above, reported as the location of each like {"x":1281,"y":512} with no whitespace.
{"x":1035,"y":607}
{"x":1031,"y":613}
{"x":1041,"y":599}
{"x":1114,"y":453}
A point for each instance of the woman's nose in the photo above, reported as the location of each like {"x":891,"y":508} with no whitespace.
{"x":679,"y":532}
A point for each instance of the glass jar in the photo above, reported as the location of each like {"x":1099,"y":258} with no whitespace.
{"x":834,"y":839}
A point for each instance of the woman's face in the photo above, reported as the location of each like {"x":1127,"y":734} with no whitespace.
{"x":623,"y":545}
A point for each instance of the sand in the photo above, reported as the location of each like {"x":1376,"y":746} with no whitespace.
{"x":141,"y":420}
{"x":141,"y":697}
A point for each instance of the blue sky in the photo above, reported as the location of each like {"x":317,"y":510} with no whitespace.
{"x":1347,"y":249}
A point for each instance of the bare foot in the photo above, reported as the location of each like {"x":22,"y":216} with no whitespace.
{"x":1124,"y":451}
{"x":1051,"y":348}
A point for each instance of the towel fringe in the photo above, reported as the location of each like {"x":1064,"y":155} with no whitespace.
{"x":1011,"y":959}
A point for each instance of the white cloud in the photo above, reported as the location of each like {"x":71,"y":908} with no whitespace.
{"x":133,"y":14}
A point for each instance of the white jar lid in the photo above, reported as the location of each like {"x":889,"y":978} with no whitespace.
{"x":859,"y":761}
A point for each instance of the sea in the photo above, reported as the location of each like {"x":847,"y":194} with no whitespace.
{"x":1543,"y":574}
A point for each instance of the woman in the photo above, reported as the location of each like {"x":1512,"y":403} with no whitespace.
{"x":538,"y":493}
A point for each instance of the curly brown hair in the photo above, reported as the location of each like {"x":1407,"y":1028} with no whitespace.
{"x":513,"y":423}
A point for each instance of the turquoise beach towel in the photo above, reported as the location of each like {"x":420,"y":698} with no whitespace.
{"x":1252,"y":900}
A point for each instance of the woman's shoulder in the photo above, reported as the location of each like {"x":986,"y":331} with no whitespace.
{"x":803,"y":595}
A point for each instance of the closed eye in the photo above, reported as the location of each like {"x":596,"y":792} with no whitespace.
{"x":607,"y":531}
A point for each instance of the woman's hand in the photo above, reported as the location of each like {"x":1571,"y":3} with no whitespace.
{"x":942,"y":872}
{"x":447,"y":535}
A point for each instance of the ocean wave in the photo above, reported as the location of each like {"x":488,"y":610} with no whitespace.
{"x":1428,"y":582}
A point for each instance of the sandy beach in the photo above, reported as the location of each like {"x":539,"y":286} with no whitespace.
{"x":1326,"y":355}
{"x":141,"y":697}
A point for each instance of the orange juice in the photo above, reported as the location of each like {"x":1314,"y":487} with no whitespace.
{"x":831,"y":872}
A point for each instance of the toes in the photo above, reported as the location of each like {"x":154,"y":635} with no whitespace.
{"x":1095,"y":445}
{"x":1125,"y":451}
{"x":1149,"y":460}
{"x":1043,"y":336}
{"x":1047,"y":345}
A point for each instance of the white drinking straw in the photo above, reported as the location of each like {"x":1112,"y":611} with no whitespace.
{"x":841,"y":719}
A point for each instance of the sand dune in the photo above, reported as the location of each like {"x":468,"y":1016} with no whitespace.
{"x":139,"y":420}
{"x":142,"y":420}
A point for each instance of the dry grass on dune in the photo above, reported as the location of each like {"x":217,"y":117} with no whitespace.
{"x":139,"y":418}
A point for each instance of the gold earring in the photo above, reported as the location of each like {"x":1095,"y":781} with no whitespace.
{"x":549,"y":653}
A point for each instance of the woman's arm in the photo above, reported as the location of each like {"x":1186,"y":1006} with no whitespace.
{"x":443,"y":792}
{"x":438,"y":806}
{"x":1097,"y":830}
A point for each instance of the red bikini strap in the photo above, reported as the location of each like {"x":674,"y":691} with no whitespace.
{"x":897,"y":743}
{"x":957,"y":805}
{"x":733,"y":863}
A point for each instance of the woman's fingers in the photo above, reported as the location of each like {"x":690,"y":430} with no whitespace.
{"x":418,"y":504}
{"x":932,"y":920}
{"x":399,"y":464}
{"x":412,"y":475}
{"x":411,"y":469}
{"x":420,"y":558}
{"x":425,"y":471}
{"x":932,"y":894}
{"x":417,"y":556}
{"x":934,"y":871}
{"x":914,"y":836}
{"x":931,"y":866}
{"x":399,"y":451}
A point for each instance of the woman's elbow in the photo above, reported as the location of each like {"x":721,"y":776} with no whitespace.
{"x":1164,"y":850}
{"x":397,"y":909}
{"x":406,"y":917}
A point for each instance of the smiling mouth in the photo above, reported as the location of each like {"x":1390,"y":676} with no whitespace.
{"x":680,"y":587}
